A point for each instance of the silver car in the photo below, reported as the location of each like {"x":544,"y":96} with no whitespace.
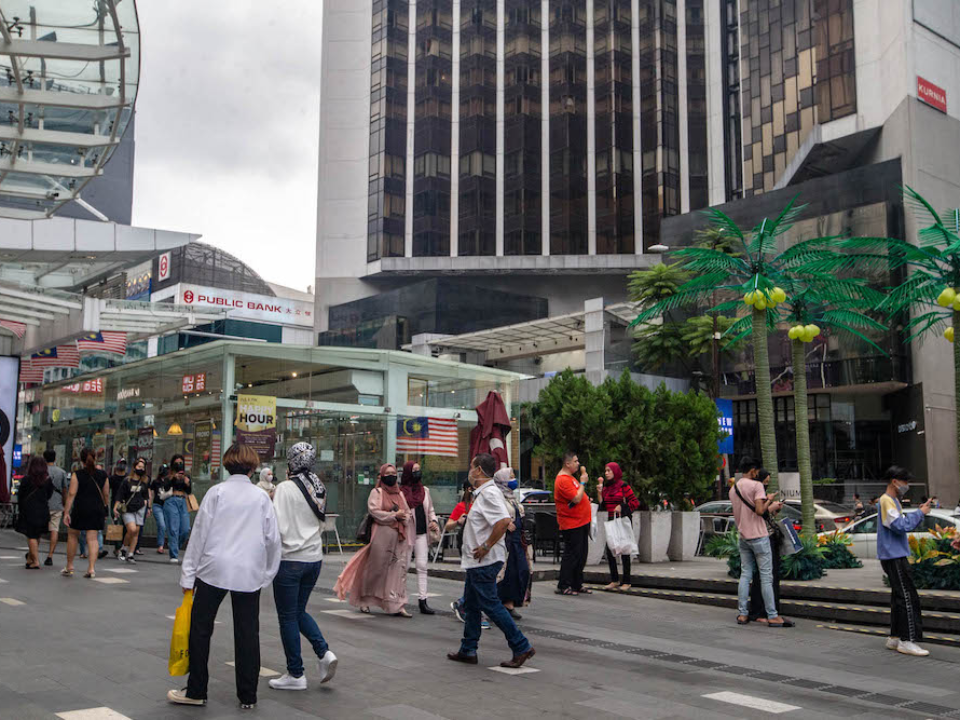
{"x":864,"y":531}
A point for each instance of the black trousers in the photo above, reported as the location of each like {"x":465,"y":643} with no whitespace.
{"x":246,"y":639}
{"x":574,"y":558}
{"x":905,"y":620}
{"x":757,"y":609}
{"x":614,"y":575}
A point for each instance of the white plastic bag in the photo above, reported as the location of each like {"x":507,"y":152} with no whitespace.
{"x":593,"y":521}
{"x":620,"y":536}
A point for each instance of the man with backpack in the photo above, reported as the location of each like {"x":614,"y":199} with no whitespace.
{"x":61,"y":484}
{"x":750,"y":501}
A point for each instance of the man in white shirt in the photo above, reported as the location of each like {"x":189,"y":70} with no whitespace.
{"x":484,"y":553}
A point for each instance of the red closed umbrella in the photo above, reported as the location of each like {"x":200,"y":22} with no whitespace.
{"x":493,"y":426}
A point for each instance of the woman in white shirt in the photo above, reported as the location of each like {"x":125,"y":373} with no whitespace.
{"x":235,"y":548}
{"x":301,"y":503}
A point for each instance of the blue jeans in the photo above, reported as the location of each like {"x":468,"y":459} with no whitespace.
{"x":291,"y":593}
{"x":83,"y":541}
{"x":480,"y":595}
{"x":161,"y":521}
{"x":178,"y":523}
{"x":753,"y":554}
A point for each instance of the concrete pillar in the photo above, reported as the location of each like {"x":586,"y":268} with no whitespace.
{"x":594,"y":331}
{"x":226,"y":409}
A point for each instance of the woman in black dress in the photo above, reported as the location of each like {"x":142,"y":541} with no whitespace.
{"x":84,"y":510}
{"x":512,"y":589}
{"x":33,"y":510}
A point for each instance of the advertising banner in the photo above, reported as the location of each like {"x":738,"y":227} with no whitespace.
{"x":202,"y":447}
{"x":9,"y":377}
{"x":257,"y":424}
{"x":725,"y":421}
{"x":145,"y":447}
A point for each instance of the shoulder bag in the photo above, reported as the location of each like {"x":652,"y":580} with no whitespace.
{"x":782,"y":535}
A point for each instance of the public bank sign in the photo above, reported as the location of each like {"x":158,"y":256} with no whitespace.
{"x":932,"y":95}
{"x":247,"y":306}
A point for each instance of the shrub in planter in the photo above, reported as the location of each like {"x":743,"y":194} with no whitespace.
{"x":837,"y":555}
{"x":934,"y":563}
{"x":807,"y":564}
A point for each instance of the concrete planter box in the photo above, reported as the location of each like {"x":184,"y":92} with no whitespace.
{"x":684,"y":535}
{"x":654,"y":536}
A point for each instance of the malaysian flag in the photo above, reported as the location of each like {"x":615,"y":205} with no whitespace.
{"x":65,"y":356}
{"x":16,"y":328}
{"x":103,"y":342}
{"x":30,"y":374}
{"x":427,"y":436}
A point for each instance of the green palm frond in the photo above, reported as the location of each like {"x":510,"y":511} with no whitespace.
{"x":951,"y":220}
{"x":924,"y":322}
{"x":921,"y":287}
{"x":863,"y":262}
{"x":741,"y":327}
{"x":725,"y":307}
{"x":700,"y":259}
{"x":843,"y":328}
{"x":766,"y":233}
{"x":852,"y":319}
{"x":817,"y":244}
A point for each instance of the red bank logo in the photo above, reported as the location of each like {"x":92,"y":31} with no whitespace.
{"x":932,"y":95}
{"x":188,"y":296}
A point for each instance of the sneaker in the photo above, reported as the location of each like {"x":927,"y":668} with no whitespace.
{"x":122,"y":555}
{"x":174,"y":561}
{"x":911,"y":648}
{"x":484,"y":625}
{"x":327,"y":666}
{"x":289,"y":682}
{"x":102,"y":554}
{"x":457,"y":610}
{"x":130,"y":559}
{"x":48,"y":562}
{"x":248,"y":706}
{"x":893,"y":643}
{"x":179,"y":697}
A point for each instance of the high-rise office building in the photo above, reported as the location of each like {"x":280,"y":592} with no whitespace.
{"x":542,"y":148}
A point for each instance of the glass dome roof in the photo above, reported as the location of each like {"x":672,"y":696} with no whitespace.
{"x":68,"y":82}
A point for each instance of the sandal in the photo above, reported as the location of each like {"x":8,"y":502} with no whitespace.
{"x":365,"y":610}
{"x":743,"y":620}
{"x":565,"y":591}
{"x":611,"y":586}
{"x":625,"y":587}
{"x":67,"y":572}
{"x":89,"y":575}
{"x":785,"y":624}
{"x":584,"y":591}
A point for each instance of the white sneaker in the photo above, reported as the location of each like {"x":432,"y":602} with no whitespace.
{"x":179,"y":697}
{"x":288,"y":682}
{"x":327,"y":666}
{"x":893,"y":643}
{"x":911,"y":648}
{"x":174,"y":561}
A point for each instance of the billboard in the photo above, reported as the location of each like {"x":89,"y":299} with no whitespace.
{"x":9,"y":377}
{"x":256,"y":424}
{"x":725,"y":421}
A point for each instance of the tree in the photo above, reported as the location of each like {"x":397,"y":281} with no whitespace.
{"x":930,"y":292}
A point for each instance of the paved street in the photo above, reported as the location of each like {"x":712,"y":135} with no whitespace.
{"x":70,"y":645}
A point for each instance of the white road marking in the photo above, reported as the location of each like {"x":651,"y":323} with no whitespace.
{"x":754,"y":703}
{"x":348,"y":614}
{"x":111,"y":581}
{"x":264,"y":672}
{"x":13,"y":602}
{"x":335,"y":600}
{"x":9,"y":557}
{"x":2,"y":580}
{"x":120,"y":571}
{"x":100,"y":713}
{"x":514,"y":671}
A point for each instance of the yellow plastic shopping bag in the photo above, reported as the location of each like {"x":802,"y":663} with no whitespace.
{"x":180,"y":640}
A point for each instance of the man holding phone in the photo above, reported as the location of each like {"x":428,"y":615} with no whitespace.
{"x":750,"y":501}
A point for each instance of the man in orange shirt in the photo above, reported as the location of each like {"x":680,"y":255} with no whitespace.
{"x":573,"y":516}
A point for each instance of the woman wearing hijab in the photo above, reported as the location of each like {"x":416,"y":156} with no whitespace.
{"x":421,"y":525}
{"x":377,"y":575}
{"x":301,"y":504}
{"x":266,"y":479}
{"x":617,"y":498}
{"x":516,"y":576}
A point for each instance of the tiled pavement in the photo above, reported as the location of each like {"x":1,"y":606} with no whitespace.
{"x":78,"y":650}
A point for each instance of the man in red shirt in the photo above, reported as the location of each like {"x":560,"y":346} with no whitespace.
{"x":573,"y":516}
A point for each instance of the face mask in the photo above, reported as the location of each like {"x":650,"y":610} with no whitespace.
{"x":902,"y":490}
{"x":177,"y":466}
{"x":139,"y":471}
{"x":389,"y":480}
{"x":417,"y":475}
{"x":513,"y":484}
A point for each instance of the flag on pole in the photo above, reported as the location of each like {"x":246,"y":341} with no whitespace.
{"x":66,"y":356}
{"x":16,"y":328}
{"x":103,"y":342}
{"x":427,"y":436}
{"x":30,"y":374}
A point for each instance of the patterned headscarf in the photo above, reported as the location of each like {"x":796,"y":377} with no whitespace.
{"x":501,"y":479}
{"x":300,"y":461}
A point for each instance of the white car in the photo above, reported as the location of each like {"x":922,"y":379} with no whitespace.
{"x":864,"y":531}
{"x":827,"y":515}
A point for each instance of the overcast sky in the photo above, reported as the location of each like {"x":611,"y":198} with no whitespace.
{"x":227,"y":126}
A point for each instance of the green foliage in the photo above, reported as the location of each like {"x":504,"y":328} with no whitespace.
{"x":837,"y":555}
{"x":697,"y":334}
{"x":725,"y":545}
{"x":648,"y":287}
{"x":658,"y":345}
{"x":807,"y":564}
{"x":665,"y":442}
{"x":934,"y":564}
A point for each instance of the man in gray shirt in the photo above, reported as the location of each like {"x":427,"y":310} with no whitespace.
{"x":61,"y":484}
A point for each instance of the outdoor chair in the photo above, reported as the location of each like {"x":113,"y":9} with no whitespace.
{"x":546,"y":534}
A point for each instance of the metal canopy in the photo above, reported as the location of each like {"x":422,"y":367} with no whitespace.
{"x":68,"y":81}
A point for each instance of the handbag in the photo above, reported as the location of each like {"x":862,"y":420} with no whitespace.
{"x":192,"y":504}
{"x":179,"y":663}
{"x":134,"y":493}
{"x":365,"y":529}
{"x":620,"y":538}
{"x":113,"y":533}
{"x":593,"y":521}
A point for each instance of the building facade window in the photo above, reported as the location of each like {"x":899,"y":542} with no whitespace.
{"x":732,"y":145}
{"x":697,"y":153}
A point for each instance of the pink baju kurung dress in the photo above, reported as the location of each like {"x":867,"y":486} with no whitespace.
{"x":377,"y":575}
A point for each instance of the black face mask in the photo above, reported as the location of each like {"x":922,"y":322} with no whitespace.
{"x":416,"y":474}
{"x":139,"y":471}
{"x":178,"y":467}
{"x":389,"y":480}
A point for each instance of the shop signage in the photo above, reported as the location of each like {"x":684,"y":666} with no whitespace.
{"x":194,"y":383}
{"x":128,"y":393}
{"x":9,"y":376}
{"x":17,"y":455}
{"x":932,"y":95}
{"x":907,"y":427}
{"x":257,"y":423}
{"x":248,"y":306}
{"x":87,"y":387}
{"x":145,"y":446}
{"x":725,"y":423}
{"x":163,"y":267}
{"x":202,"y":446}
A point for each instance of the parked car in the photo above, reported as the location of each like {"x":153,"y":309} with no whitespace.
{"x":719,"y":517}
{"x":521,"y":493}
{"x":828,"y":515}
{"x":863,"y":532}
{"x":538,"y":498}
